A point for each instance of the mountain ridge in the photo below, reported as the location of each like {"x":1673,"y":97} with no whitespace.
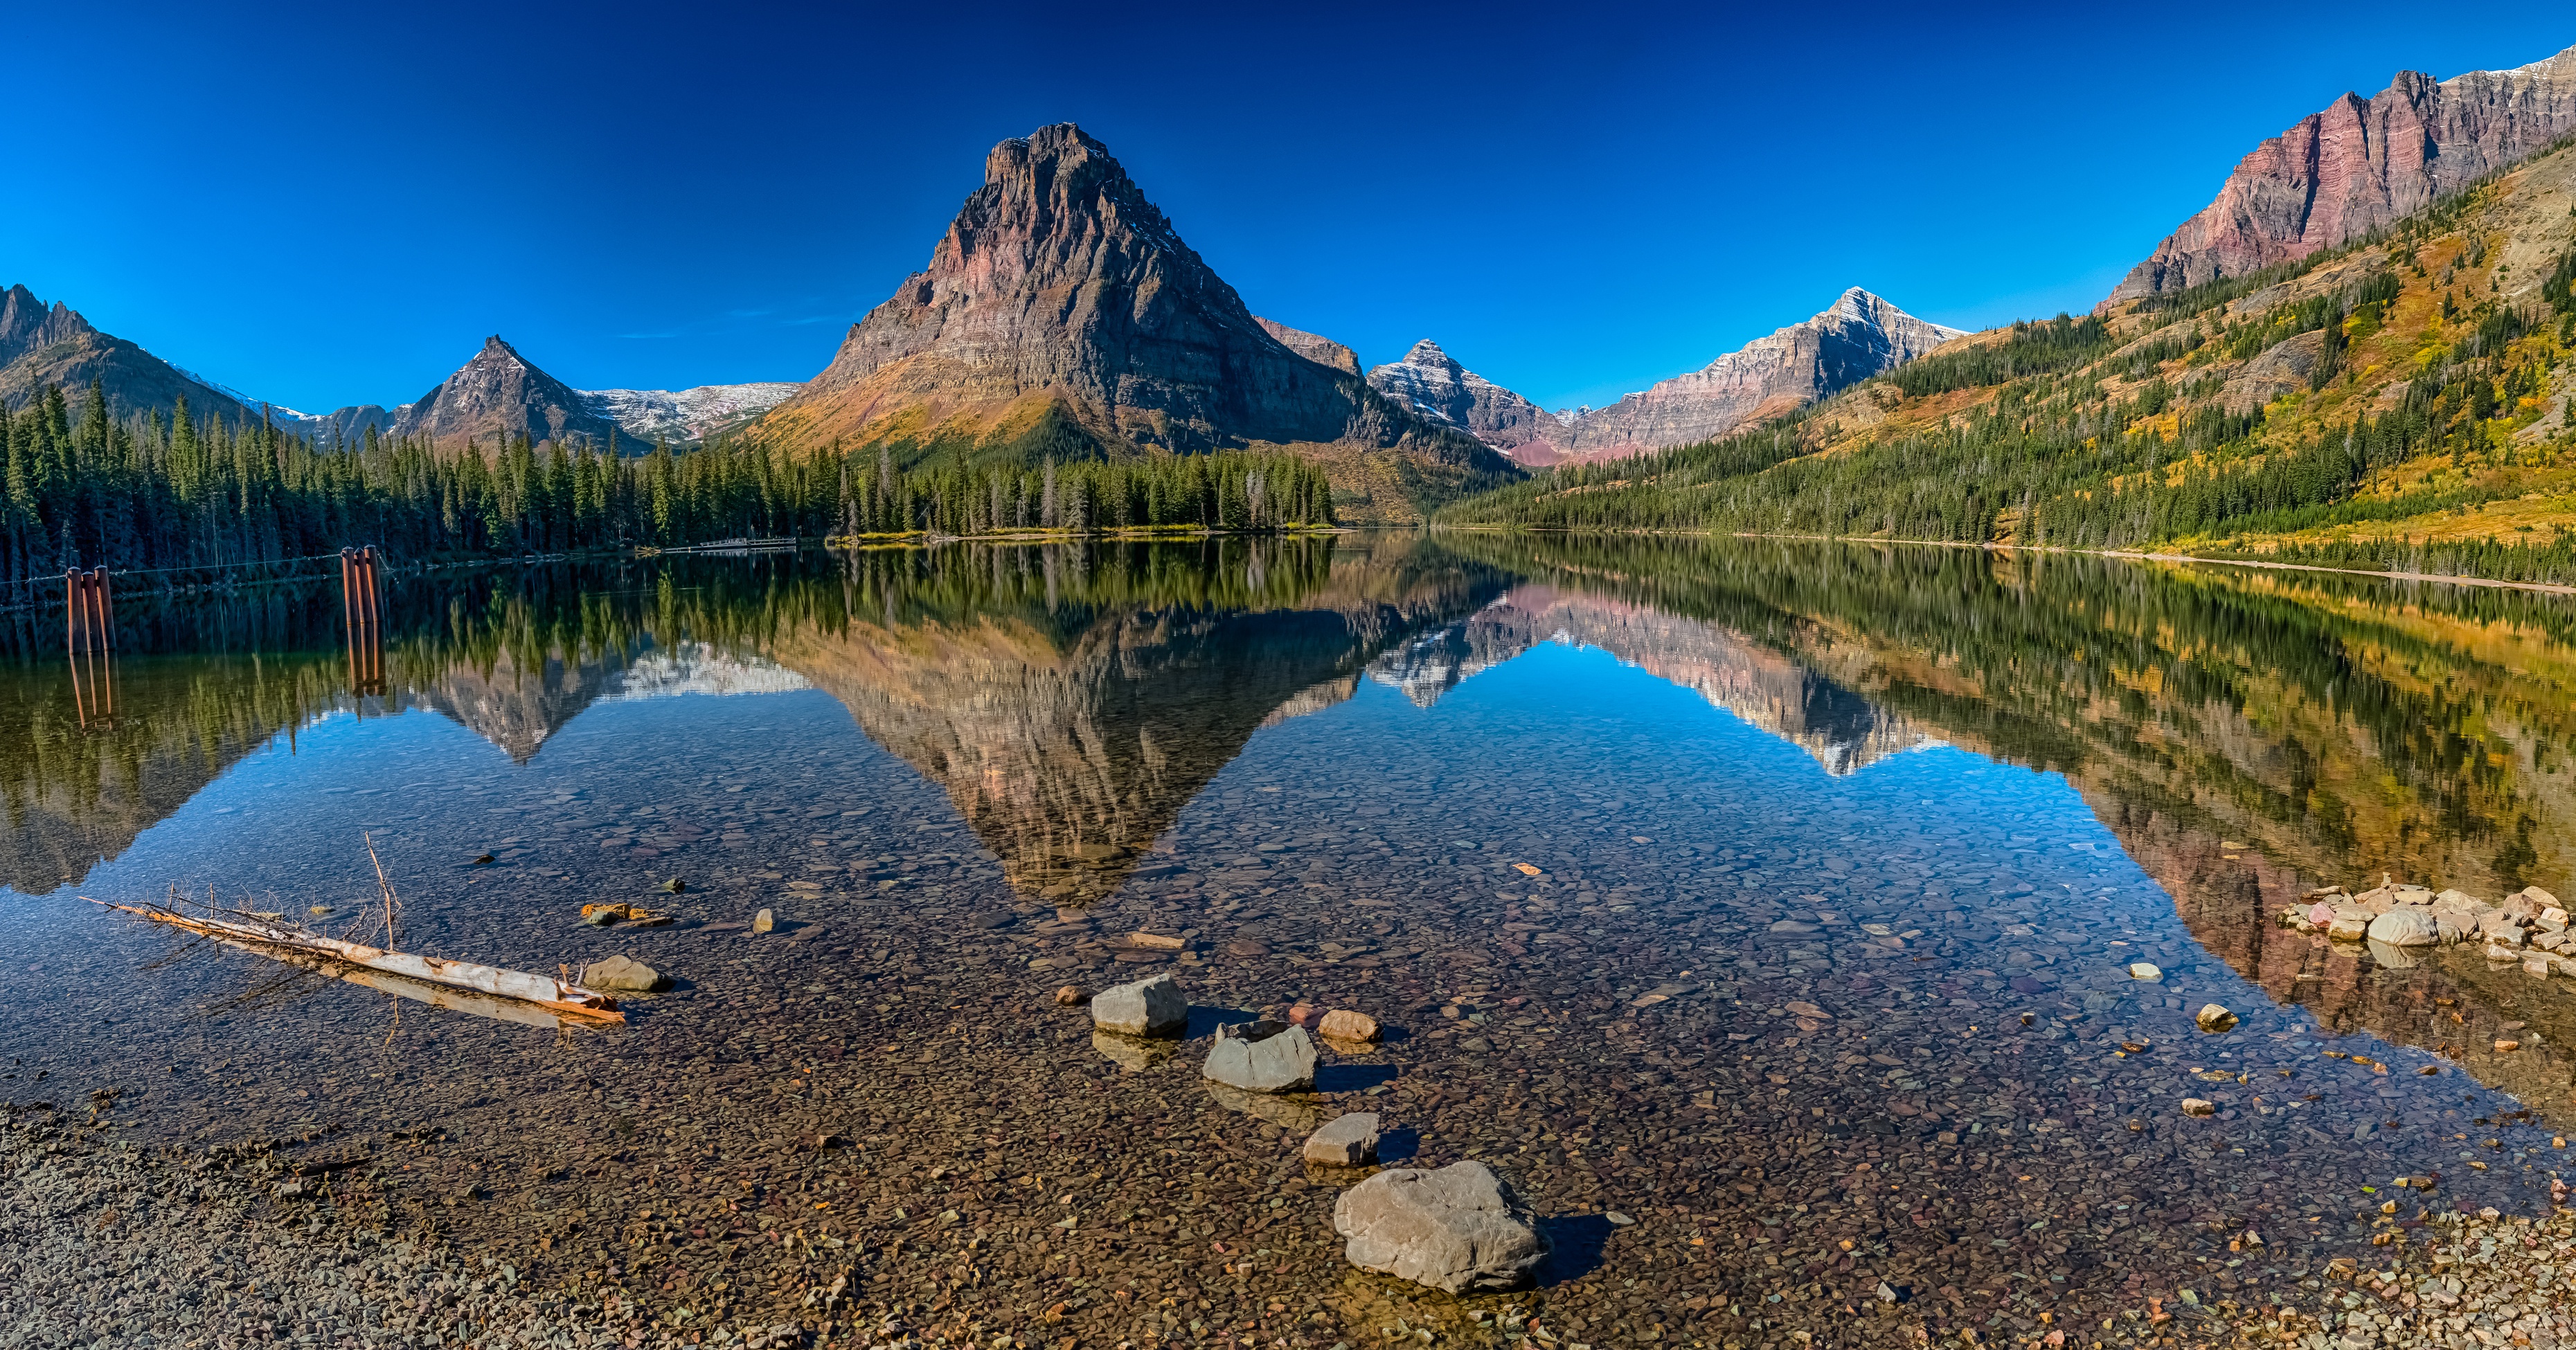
{"x":1859,"y":336}
{"x":2359,"y":164}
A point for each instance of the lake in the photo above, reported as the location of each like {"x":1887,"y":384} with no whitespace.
{"x":1763,"y":911}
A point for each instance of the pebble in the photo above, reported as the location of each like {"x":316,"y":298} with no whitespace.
{"x":2145,"y":970}
{"x":2196,"y":1106}
{"x":763,"y":922}
{"x":1068,"y":996}
{"x":2214,"y":1019}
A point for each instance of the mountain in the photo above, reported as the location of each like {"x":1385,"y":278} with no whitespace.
{"x":1431,"y":383}
{"x":1318,"y":349}
{"x":1860,"y":336}
{"x":1062,"y":315}
{"x":2360,"y":164}
{"x":41,"y":344}
{"x":686,"y":416}
{"x":499,"y":393}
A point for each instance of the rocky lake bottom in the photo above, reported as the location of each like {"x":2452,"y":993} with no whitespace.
{"x":1777,"y":1050}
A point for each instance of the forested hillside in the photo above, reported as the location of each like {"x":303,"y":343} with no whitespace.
{"x":84,"y":489}
{"x":2400,"y":402}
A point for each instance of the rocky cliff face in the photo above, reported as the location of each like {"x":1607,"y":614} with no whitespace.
{"x":1434,"y":385}
{"x":1860,"y":336}
{"x":499,"y":393}
{"x":1062,"y":313}
{"x":1314,"y":347}
{"x":2360,"y":164}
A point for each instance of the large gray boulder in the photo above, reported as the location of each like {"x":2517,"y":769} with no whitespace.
{"x":1458,"y":1229}
{"x":2406,"y":926}
{"x":1262,"y":1057}
{"x":1153,"y":1006}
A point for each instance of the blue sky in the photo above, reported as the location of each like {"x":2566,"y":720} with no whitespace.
{"x":335,"y":204}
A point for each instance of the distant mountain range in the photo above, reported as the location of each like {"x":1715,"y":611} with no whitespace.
{"x":497,"y":392}
{"x":2360,"y":164}
{"x":1859,"y":336}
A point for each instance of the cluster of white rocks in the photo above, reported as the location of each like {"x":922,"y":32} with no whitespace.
{"x":2528,"y":926}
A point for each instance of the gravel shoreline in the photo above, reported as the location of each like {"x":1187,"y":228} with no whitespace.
{"x":103,"y":1243}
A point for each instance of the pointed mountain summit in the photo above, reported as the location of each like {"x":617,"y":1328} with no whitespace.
{"x":500,"y":393}
{"x":42,"y":344}
{"x":1062,"y":315}
{"x":2360,"y":164}
{"x":1431,"y":383}
{"x":1859,"y":336}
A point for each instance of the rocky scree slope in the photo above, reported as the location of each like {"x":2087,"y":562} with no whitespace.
{"x":1061,"y":314}
{"x":2360,"y":164}
{"x":1859,"y":336}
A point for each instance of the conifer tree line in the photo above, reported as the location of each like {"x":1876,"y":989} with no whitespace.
{"x":81,"y":488}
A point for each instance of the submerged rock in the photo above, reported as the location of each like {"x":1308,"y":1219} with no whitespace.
{"x":1153,"y":1006}
{"x":1262,"y":1057}
{"x":1458,"y":1229}
{"x":1350,"y":1141}
{"x":2214,"y":1019}
{"x":623,"y":974}
{"x":1344,"y":1025}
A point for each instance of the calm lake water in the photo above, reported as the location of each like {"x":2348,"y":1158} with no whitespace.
{"x":1762,"y":911}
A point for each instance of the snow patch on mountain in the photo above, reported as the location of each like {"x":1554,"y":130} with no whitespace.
{"x":678,"y":415}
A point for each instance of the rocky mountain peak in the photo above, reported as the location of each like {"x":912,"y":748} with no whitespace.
{"x":1433,"y":384}
{"x":1062,"y":313}
{"x":1318,"y":349}
{"x":2362,"y":163}
{"x":499,"y":394}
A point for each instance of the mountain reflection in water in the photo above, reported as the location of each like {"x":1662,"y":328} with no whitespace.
{"x":1710,"y":844}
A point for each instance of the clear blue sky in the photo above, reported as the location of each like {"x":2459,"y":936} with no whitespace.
{"x":334,"y":204}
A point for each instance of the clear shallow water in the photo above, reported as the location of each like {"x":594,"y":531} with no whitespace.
{"x":1940,"y":799}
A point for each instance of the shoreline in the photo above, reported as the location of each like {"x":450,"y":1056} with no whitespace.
{"x":2133,"y":555}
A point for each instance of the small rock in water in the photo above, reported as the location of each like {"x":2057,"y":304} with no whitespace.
{"x":2194,"y":1106}
{"x":1262,"y":1057}
{"x":1618,"y":1220}
{"x":1068,"y":996}
{"x":1153,"y":1006}
{"x":2214,"y":1019}
{"x":623,"y":974}
{"x":319,"y":910}
{"x":674,"y":886}
{"x":1350,"y":1141}
{"x":2352,"y":925}
{"x":1157,"y":941}
{"x":2144,"y":970}
{"x":1457,"y":1229}
{"x":2321,"y":914}
{"x":1344,"y":1025}
{"x":2507,"y":1047}
{"x":763,"y":922}
{"x":484,"y":860}
{"x":1306,"y":1015}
